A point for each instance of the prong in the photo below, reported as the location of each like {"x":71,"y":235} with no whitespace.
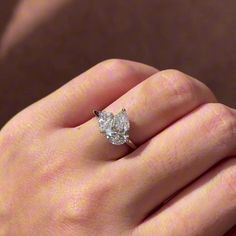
{"x":96,"y":113}
{"x":123,"y":110}
{"x":131,"y":144}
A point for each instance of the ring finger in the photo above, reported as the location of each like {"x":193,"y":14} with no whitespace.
{"x":152,"y":106}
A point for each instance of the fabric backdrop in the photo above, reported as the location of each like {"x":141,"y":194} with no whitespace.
{"x":44,"y":44}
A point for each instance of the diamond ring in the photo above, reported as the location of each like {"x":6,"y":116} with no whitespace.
{"x":115,"y":127}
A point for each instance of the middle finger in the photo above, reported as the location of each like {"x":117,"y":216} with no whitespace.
{"x":177,"y":156}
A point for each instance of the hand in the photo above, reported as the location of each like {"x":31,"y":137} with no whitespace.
{"x":60,"y":176}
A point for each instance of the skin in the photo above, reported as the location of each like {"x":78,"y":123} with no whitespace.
{"x":60,"y":176}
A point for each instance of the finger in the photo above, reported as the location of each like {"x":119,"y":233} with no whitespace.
{"x":72,"y":104}
{"x":231,"y":232}
{"x":177,"y":156}
{"x":206,"y":208}
{"x":151,"y":106}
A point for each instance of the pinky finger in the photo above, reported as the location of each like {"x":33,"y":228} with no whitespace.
{"x":232,"y":232}
{"x":205,"y":208}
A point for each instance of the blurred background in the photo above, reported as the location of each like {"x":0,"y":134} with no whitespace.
{"x":44,"y":44}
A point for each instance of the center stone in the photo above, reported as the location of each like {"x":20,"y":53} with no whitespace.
{"x":115,"y":127}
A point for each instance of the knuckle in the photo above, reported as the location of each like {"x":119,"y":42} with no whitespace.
{"x":116,"y":64}
{"x":179,"y":84}
{"x":81,"y":213}
{"x":228,"y":178}
{"x":84,"y":207}
{"x":222,"y":119}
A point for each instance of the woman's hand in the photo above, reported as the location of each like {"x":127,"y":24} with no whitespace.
{"x":60,"y":176}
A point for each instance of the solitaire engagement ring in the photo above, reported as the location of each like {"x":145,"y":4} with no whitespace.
{"x":115,"y":127}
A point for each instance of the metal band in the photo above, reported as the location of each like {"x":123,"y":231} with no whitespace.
{"x":131,"y":144}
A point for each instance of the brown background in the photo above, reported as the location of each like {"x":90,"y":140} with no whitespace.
{"x":197,"y":37}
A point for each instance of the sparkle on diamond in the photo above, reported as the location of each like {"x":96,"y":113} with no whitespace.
{"x":115,"y":127}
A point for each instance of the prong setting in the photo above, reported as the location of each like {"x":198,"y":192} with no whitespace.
{"x":96,"y":113}
{"x":115,"y":127}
